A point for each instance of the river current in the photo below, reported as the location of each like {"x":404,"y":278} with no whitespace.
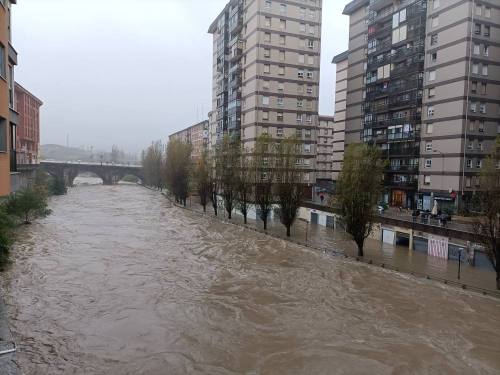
{"x":118,"y":281}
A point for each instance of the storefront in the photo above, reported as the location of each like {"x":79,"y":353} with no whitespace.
{"x":446,"y":201}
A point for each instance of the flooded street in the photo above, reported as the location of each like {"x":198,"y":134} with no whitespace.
{"x":117,"y":281}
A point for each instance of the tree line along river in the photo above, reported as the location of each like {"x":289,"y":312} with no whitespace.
{"x":119,"y":281}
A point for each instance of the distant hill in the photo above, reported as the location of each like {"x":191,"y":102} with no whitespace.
{"x":62,"y":153}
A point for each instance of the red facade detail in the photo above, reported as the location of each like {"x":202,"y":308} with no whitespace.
{"x":28,"y":128}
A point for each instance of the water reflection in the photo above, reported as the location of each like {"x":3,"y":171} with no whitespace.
{"x":117,"y":281}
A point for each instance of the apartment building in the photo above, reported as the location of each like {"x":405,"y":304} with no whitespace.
{"x":197,"y":136}
{"x":28,"y":129}
{"x":324,"y":151}
{"x":421,"y":86}
{"x":341,"y":62}
{"x":8,"y":115}
{"x":266,"y":72}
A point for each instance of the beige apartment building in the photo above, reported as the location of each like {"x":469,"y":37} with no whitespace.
{"x":341,"y":62}
{"x":423,"y":84}
{"x":197,"y":136}
{"x":324,"y":151}
{"x":266,"y":67}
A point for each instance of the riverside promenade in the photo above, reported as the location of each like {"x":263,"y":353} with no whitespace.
{"x":8,"y":363}
{"x":400,"y":259}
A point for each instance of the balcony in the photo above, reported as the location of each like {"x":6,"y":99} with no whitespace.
{"x":408,"y":184}
{"x":413,"y":169}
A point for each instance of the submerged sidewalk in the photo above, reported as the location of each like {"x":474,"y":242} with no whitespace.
{"x":8,"y":364}
{"x":397,"y":258}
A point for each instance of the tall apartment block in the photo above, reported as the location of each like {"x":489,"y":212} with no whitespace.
{"x":423,"y":86}
{"x":324,"y":153}
{"x":8,"y":115}
{"x":197,"y":136}
{"x":266,"y":72}
{"x":28,"y":129}
{"x":341,"y":62}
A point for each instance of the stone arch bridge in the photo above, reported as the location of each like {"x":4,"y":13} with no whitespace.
{"x":109,"y":173}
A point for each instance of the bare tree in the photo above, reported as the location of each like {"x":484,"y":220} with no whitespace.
{"x":228,"y":159}
{"x":487,"y":224}
{"x":202,"y":178}
{"x":263,"y":165}
{"x":289,"y":175}
{"x":178,"y":169}
{"x":245,"y":184}
{"x":152,"y":162}
{"x":358,"y":189}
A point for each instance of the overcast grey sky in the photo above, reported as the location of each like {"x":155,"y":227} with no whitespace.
{"x":127,"y":72}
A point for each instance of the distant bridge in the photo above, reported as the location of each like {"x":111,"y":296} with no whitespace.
{"x":110,"y":173}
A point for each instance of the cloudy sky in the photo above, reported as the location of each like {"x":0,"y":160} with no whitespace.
{"x":127,"y":72}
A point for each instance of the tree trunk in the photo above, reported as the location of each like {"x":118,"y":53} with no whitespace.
{"x":288,"y":230}
{"x":245,"y":218}
{"x":229,"y":214}
{"x":265,"y":223}
{"x":360,"y":244}
{"x":204,"y":208}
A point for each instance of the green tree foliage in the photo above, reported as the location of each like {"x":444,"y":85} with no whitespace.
{"x":245,"y":184}
{"x":358,"y":189}
{"x":289,"y":175}
{"x":178,"y":169}
{"x":28,"y":204}
{"x":487,"y":224}
{"x":57,"y":186}
{"x":263,"y":166}
{"x":227,"y":158}
{"x":6,"y":234}
{"x":203,"y":180}
{"x":153,"y":159}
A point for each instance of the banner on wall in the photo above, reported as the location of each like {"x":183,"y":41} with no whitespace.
{"x":438,"y":246}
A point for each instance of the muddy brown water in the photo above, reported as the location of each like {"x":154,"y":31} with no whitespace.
{"x":117,"y":281}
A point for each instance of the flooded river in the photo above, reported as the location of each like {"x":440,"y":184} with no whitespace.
{"x":117,"y":281}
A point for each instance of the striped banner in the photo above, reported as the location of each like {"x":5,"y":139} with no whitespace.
{"x":438,"y":247}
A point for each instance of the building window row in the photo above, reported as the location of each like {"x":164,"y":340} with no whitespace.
{"x":303,"y":27}
{"x":301,"y":118}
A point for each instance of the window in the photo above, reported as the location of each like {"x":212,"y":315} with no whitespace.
{"x":480,"y":146}
{"x":312,"y":29}
{"x":267,"y":4}
{"x":470,"y":145}
{"x":471,"y":125}
{"x":475,"y":68}
{"x":486,"y":50}
{"x":302,"y":27}
{"x":265,"y":100}
{"x":3,"y":135}
{"x":435,"y":4}
{"x":467,"y":182}
{"x":487,"y":12}
{"x":469,"y":163}
{"x":267,"y":37}
{"x":399,"y":34}
{"x":310,"y":60}
{"x":300,"y":73}
{"x":302,"y":59}
{"x":307,"y":133}
{"x":307,"y":148}
{"x":310,"y":74}
{"x":473,"y":88}
{"x":283,"y":8}
{"x":480,"y":127}
{"x":280,"y":101}
{"x":427,"y":180}
{"x":479,"y":163}
{"x":312,"y":14}
{"x":479,"y":9}
{"x":282,"y":24}
{"x":434,"y":39}
{"x":298,"y":133}
{"x":265,"y":130}
{"x":482,"y":108}
{"x":267,"y":52}
{"x":473,"y":107}
{"x":486,"y":31}
{"x":430,"y":128}
{"x":477,"y":48}
{"x":267,"y":21}
{"x":279,"y":116}
{"x":477,"y":29}
{"x":282,"y":40}
{"x":430,"y":111}
{"x":265,"y":115}
{"x":265,"y":85}
{"x":279,"y":132}
{"x":435,"y":21}
{"x":302,"y":12}
{"x":309,"y":89}
{"x":310,"y":44}
{"x":483,"y":88}
{"x":3,"y":66}
{"x":484,"y":71}
{"x":306,"y":176}
{"x":428,"y":147}
{"x":428,"y":163}
{"x":434,"y":57}
{"x":281,"y":86}
{"x":432,"y":75}
{"x":431,"y":93}
{"x":267,"y":68}
{"x":300,"y":103}
{"x":299,"y":119}
{"x":281,"y":70}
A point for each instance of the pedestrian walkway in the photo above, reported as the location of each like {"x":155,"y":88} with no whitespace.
{"x":388,"y":256}
{"x":8,"y":364}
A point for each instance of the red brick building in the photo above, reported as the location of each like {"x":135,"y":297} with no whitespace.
{"x":28,"y":129}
